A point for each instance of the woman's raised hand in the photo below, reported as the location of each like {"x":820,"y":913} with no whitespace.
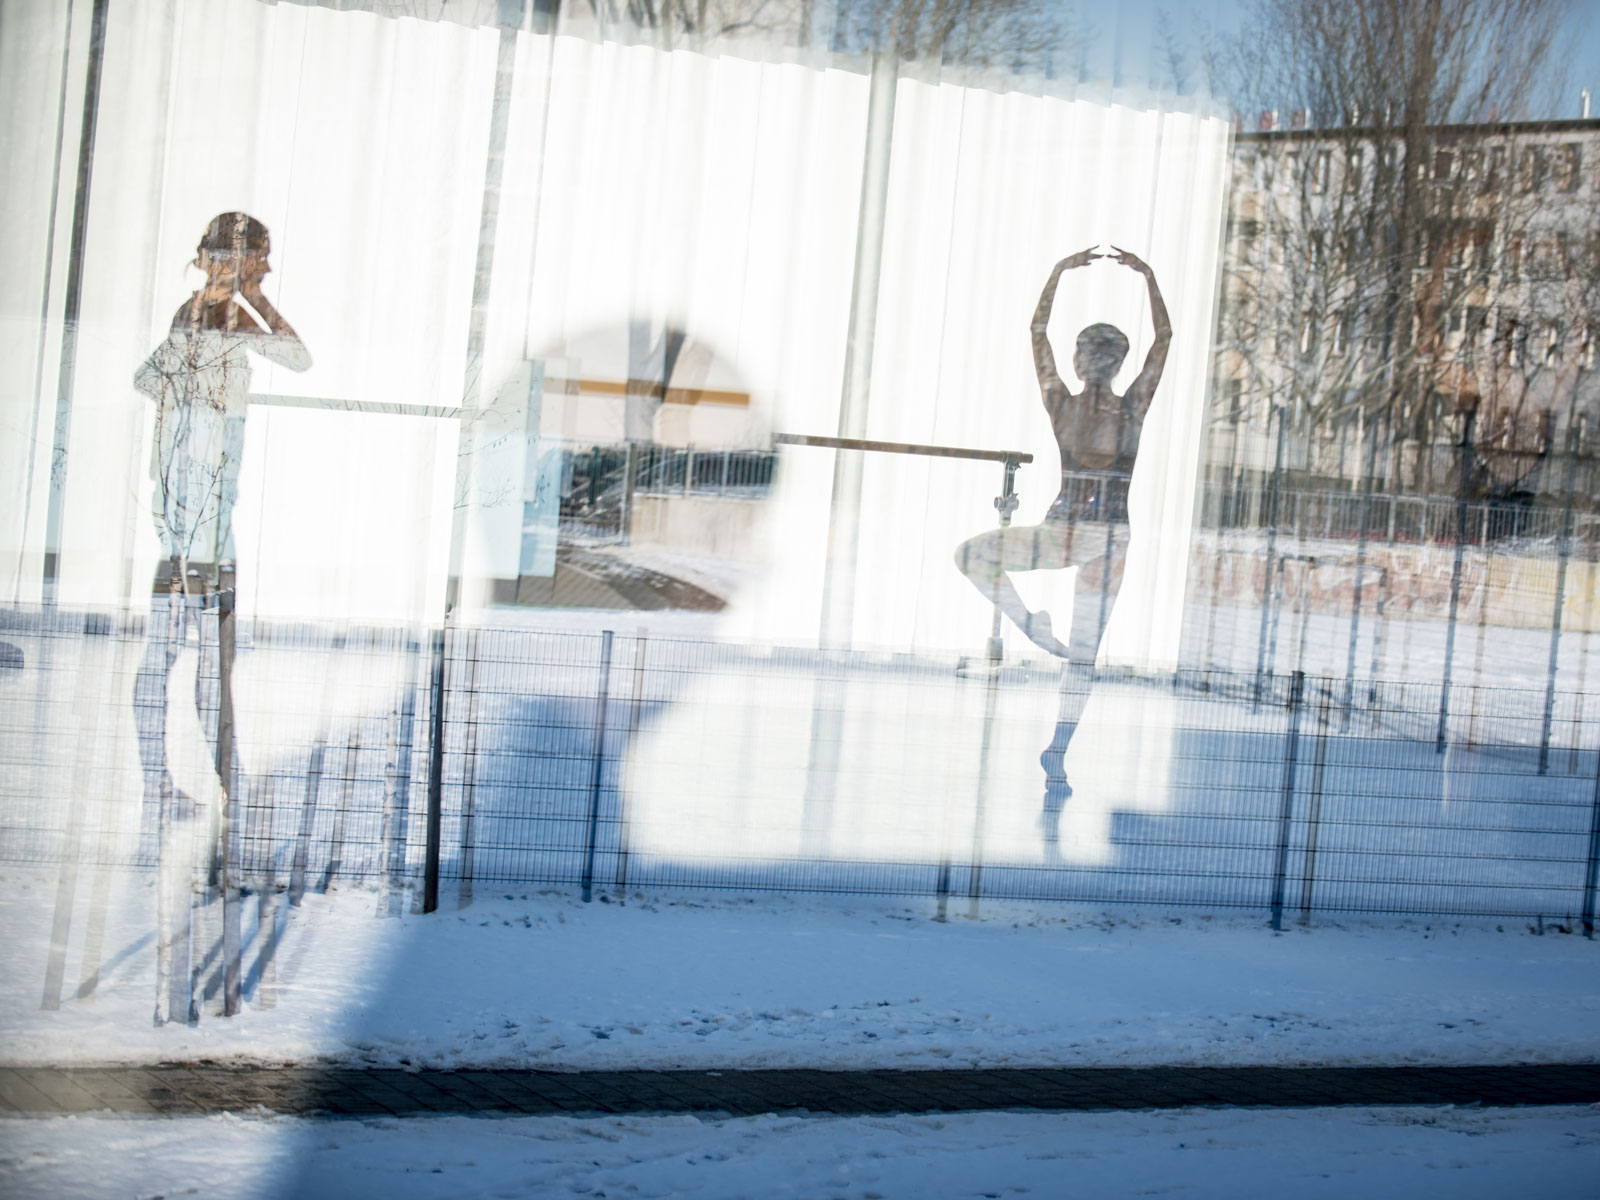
{"x":1128,"y":259}
{"x":1081,"y":259}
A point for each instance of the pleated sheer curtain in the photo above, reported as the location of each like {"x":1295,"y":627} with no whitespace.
{"x":718,"y":193}
{"x":725,"y":194}
{"x":359,"y":142}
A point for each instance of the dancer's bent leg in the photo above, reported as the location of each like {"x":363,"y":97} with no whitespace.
{"x":988,"y":559}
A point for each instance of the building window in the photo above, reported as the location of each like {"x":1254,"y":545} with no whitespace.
{"x":1586,"y":351}
{"x":1472,"y":335}
{"x":1530,"y":174}
{"x":1444,"y":165}
{"x":1552,"y":343}
{"x":1497,"y":168}
{"x":1341,"y":332}
{"x":1374,"y":327}
{"x":1567,"y":163}
{"x":1472,"y":167}
{"x":1308,"y":334}
{"x":1353,"y":169}
{"x":1511,"y":338}
{"x":1235,"y":393}
{"x":1320,"y":171}
{"x":1240,"y":309}
{"x":1350,"y":248}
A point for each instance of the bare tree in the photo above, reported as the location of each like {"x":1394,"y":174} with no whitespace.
{"x":1384,"y":241}
{"x":1019,"y":34}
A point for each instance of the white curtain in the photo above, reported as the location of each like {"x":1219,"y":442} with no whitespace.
{"x":360,"y":143}
{"x":718,"y":194}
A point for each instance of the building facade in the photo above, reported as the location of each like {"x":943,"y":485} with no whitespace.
{"x":1410,"y":312}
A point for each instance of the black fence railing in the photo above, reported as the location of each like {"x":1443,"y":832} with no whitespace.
{"x":595,"y":761}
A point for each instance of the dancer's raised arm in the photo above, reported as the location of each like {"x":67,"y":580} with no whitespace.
{"x":1143,"y":389}
{"x":1044,"y":359}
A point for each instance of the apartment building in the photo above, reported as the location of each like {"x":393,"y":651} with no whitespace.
{"x":1388,"y":293}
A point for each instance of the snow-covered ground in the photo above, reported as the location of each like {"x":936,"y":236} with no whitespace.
{"x":1399,"y":1153}
{"x":543,"y":980}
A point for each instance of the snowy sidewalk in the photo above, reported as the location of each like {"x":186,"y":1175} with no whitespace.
{"x":722,"y":983}
{"x":173,"y":1090}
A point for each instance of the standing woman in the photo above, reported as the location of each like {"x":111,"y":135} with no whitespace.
{"x":199,"y":379}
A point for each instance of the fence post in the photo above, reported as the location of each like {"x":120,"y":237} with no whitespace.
{"x":599,"y":765}
{"x":469,"y":779}
{"x":1276,"y":574}
{"x":630,"y":468}
{"x":1593,"y":873}
{"x":347,"y":783}
{"x":86,"y":714}
{"x":397,"y":783}
{"x":1377,"y":637}
{"x":308,"y":813}
{"x":1564,"y":544}
{"x":1464,"y":470}
{"x":1477,"y":654}
{"x":1281,"y":864}
{"x":991,"y":699}
{"x":1005,"y":504}
{"x":430,"y":855}
{"x":228,"y":774}
{"x":641,"y":639}
{"x":1314,"y":811}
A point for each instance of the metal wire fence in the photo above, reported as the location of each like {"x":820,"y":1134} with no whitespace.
{"x":1253,"y":503}
{"x":436,"y":761}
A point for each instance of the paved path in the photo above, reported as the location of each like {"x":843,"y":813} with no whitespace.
{"x":180,"y":1090}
